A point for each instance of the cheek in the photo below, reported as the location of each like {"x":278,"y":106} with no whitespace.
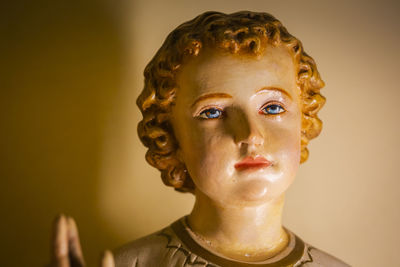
{"x":287,"y":135}
{"x":209,"y":158}
{"x":290,"y":148}
{"x":284,"y":144}
{"x":199,"y":147}
{"x":290,"y":158}
{"x":289,"y":153}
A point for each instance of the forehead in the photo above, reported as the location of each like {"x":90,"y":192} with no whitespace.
{"x":218,"y":72}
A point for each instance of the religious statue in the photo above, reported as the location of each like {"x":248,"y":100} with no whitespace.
{"x":229,"y":105}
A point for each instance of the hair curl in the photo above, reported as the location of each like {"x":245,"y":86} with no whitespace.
{"x":242,"y":32}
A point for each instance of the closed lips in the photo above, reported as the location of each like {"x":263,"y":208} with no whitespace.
{"x":250,"y":162}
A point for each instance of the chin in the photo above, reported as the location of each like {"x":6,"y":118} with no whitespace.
{"x":253,"y":192}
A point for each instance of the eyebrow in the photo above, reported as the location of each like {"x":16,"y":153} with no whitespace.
{"x":213,"y":95}
{"x":275,"y":89}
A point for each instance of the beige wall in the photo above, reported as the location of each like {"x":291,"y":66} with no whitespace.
{"x":68,"y":125}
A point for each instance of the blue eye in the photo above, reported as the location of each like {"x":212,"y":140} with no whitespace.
{"x":272,"y":109}
{"x":211,"y":113}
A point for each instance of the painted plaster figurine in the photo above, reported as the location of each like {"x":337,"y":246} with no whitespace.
{"x":229,"y":105}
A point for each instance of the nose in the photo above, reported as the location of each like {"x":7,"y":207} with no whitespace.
{"x":246,"y":130}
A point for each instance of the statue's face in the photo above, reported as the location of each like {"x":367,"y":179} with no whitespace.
{"x":237,"y":120}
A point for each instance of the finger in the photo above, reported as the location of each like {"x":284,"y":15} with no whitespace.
{"x":75,"y":250}
{"x":107,"y":259}
{"x":59,"y":246}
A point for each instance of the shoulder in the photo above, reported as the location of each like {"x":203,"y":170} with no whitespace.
{"x":314,"y":257}
{"x":148,"y":250}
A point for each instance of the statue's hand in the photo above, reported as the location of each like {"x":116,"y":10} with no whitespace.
{"x":66,"y":248}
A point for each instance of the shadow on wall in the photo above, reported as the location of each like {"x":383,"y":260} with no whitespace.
{"x":63,"y":72}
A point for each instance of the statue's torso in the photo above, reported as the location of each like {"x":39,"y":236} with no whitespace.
{"x":174,"y":246}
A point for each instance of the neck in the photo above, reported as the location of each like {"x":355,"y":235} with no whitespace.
{"x":244,"y":233}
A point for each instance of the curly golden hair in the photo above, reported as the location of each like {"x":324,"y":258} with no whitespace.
{"x":239,"y":33}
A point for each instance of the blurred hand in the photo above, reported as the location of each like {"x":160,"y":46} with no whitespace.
{"x":66,"y":248}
